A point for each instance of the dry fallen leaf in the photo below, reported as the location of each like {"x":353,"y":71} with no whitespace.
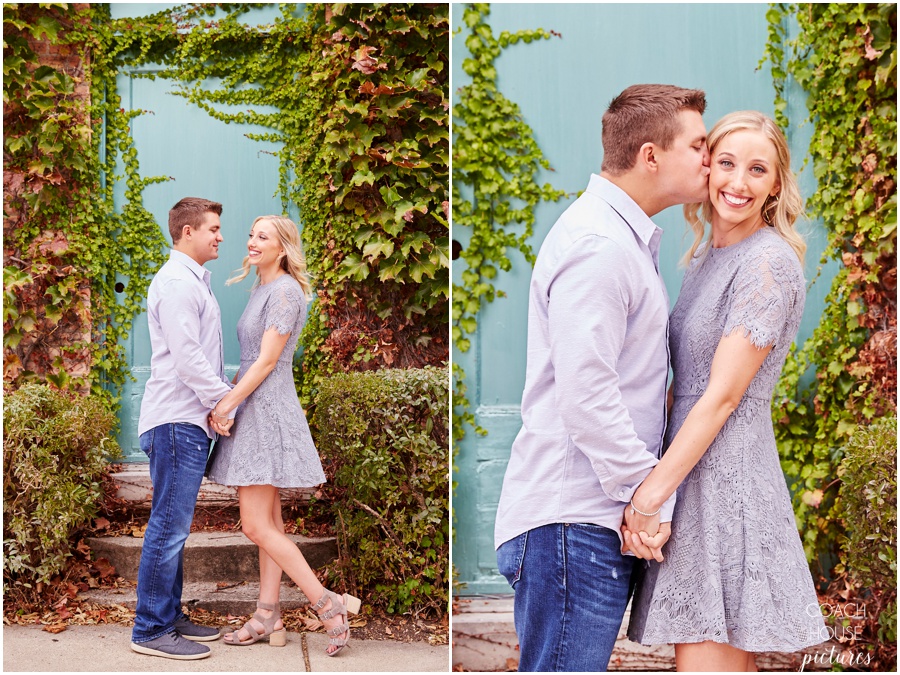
{"x":103,"y":566}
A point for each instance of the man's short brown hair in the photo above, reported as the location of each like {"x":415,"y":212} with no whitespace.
{"x":189,"y":211}
{"x":644,"y":113}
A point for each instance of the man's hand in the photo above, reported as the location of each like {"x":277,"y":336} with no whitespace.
{"x":221,"y":428}
{"x":643,"y":545}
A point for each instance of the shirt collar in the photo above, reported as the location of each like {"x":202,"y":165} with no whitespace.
{"x":626,"y":207}
{"x":199,"y":270}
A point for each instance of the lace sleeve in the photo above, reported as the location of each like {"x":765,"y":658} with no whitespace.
{"x":283,"y":308}
{"x":764,"y":294}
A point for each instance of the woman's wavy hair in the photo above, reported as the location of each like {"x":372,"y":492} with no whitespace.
{"x":781,"y":213}
{"x":293,"y":262}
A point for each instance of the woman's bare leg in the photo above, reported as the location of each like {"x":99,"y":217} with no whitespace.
{"x":269,"y":576}
{"x":257,"y":504}
{"x":713,"y":657}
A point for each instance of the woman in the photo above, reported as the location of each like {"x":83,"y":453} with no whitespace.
{"x":735,"y":579}
{"x":271,"y":447}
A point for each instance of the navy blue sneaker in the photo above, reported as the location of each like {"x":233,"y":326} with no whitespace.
{"x":172,"y":646}
{"x":192,"y":631}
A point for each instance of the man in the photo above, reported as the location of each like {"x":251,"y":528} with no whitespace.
{"x":187,"y":379}
{"x":594,"y":404}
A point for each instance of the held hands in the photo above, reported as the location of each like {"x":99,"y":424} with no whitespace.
{"x":644,"y":535}
{"x":220,"y":423}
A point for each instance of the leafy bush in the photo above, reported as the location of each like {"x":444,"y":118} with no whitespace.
{"x":55,"y":449}
{"x":869,"y":500}
{"x":383,"y":438}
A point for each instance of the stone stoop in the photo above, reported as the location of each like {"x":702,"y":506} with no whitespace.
{"x":210,"y":556}
{"x":134,"y":484}
{"x":211,"y":559}
{"x":484,"y":639}
{"x":237,"y":599}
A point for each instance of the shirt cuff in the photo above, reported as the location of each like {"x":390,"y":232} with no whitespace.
{"x":667,"y":509}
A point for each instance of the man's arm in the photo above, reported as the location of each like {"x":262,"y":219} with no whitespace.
{"x":179,"y":320}
{"x":589,"y":303}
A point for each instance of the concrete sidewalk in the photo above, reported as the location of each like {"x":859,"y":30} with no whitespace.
{"x":106,"y":649}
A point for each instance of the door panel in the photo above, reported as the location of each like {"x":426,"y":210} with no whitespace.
{"x":205,"y":158}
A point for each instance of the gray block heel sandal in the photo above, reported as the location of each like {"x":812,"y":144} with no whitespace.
{"x":276,"y":638}
{"x":340,"y":606}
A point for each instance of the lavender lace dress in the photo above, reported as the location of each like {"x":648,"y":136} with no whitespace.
{"x":735,"y":571}
{"x":270,"y":443}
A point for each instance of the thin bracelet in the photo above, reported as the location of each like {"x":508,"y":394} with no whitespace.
{"x":635,"y":509}
{"x":224,"y":417}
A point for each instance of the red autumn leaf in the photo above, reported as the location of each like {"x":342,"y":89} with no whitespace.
{"x":363,"y":62}
{"x":104,"y":568}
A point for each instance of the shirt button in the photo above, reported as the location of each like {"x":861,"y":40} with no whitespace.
{"x":621,"y":493}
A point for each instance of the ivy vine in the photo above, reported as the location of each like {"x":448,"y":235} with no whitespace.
{"x":851,"y":96}
{"x":67,"y":245}
{"x":495,"y":165}
{"x":359,"y":94}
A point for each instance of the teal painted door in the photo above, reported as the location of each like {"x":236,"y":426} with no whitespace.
{"x":563,"y":86}
{"x":206,"y":158}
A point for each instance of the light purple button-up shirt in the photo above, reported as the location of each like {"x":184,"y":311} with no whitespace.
{"x":187,"y":368}
{"x":594,"y":405}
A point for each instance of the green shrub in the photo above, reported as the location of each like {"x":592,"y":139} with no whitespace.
{"x":869,"y":499}
{"x":383,"y":439}
{"x":55,"y":449}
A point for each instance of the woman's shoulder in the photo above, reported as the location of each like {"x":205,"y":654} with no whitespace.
{"x":285,"y":286}
{"x":770,"y":249}
{"x":286,"y":296}
{"x":772,"y":258}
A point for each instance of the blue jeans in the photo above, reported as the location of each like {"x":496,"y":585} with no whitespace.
{"x":177,"y":455}
{"x":572,"y":585}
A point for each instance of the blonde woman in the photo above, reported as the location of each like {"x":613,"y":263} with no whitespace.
{"x":734,"y":579}
{"x":270,"y":446}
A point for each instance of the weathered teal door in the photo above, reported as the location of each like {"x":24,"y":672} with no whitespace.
{"x":563,"y":85}
{"x":205,"y":158}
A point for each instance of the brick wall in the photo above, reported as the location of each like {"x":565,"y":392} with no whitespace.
{"x":51,"y":344}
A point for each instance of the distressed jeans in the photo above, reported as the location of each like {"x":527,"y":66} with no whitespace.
{"x":177,"y":454}
{"x":572,"y":585}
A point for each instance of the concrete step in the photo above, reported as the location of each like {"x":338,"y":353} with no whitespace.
{"x":210,"y":556}
{"x":134,"y":484}
{"x":237,"y":600}
{"x":484,"y":639}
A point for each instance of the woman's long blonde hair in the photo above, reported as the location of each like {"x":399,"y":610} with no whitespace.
{"x":293,"y":262}
{"x":781,"y":214}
